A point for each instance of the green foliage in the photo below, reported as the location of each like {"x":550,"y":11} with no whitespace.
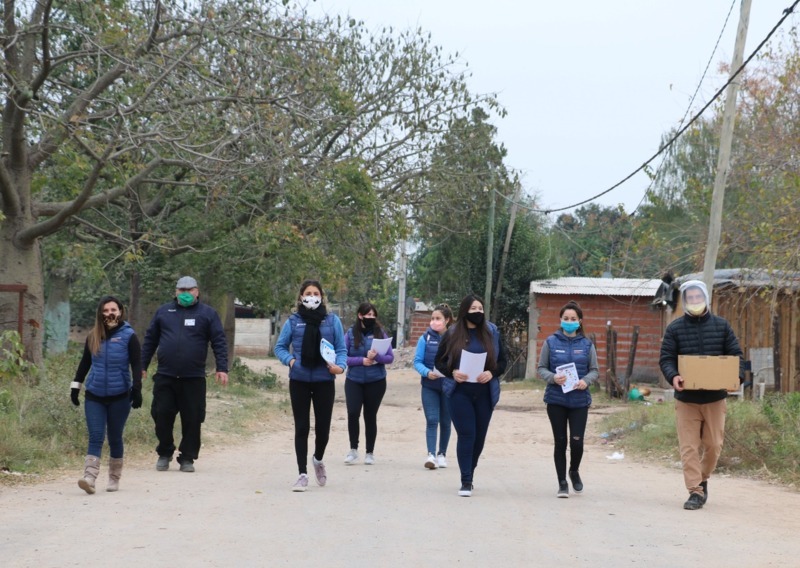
{"x":761,"y":438}
{"x":242,"y":374}
{"x":13,"y":365}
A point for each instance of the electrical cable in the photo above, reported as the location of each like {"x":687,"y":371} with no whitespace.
{"x":786,"y":13}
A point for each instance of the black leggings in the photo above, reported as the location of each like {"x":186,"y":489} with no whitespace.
{"x":560,"y":416}
{"x":302,"y":395}
{"x":368,"y":396}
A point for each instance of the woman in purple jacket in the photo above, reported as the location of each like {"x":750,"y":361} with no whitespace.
{"x":366,"y":379}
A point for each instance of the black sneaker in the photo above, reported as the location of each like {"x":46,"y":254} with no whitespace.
{"x":694,"y":502}
{"x":466,"y":490}
{"x":704,"y":485}
{"x":563,"y":489}
{"x":577,"y":484}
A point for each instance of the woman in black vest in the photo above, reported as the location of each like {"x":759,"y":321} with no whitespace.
{"x":567,"y":393}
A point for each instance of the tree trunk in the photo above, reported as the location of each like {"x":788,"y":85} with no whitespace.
{"x":22,"y":265}
{"x":57,"y":315}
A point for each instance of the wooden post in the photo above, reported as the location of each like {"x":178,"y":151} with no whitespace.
{"x":631,"y":358}
{"x":776,"y":349}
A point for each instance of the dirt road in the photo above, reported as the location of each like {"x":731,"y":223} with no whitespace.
{"x":238,"y":509}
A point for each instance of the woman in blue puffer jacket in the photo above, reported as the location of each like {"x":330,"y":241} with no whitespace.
{"x":568,"y":401}
{"x":111,"y":371}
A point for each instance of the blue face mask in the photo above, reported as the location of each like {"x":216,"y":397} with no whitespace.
{"x":570,"y":326}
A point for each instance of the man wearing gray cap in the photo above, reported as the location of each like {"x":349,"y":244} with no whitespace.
{"x":181,"y":331}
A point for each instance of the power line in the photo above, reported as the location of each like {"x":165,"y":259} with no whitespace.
{"x":786,"y":13}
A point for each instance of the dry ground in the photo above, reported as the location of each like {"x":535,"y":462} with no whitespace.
{"x":238,"y":510}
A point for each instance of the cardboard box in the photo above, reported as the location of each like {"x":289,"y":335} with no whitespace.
{"x":708,"y":372}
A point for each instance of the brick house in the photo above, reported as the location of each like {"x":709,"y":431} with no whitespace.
{"x":420,"y":319}
{"x":620,"y":302}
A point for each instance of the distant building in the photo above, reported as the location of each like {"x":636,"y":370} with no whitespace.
{"x":620,"y":302}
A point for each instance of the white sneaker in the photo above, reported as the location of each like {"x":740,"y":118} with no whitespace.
{"x":369,"y":459}
{"x":351,"y":457}
{"x":441,"y":461}
{"x":301,"y":484}
{"x":430,"y":463}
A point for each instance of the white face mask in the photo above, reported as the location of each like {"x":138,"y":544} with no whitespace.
{"x":311,"y":302}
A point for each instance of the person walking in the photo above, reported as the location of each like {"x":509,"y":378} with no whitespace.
{"x":472,"y":397}
{"x":365,"y":384}
{"x":112,"y":373}
{"x":311,"y":377}
{"x":567,"y":395}
{"x":434,"y":402}
{"x":699,"y":414}
{"x":181,"y":331}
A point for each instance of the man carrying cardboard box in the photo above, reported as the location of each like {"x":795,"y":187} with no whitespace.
{"x":699,"y":414}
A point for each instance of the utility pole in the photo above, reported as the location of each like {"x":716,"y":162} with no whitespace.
{"x":401,"y":298}
{"x":724,"y":158}
{"x":487,"y":294}
{"x":507,"y":245}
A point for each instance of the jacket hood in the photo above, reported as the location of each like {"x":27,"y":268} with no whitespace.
{"x":693,"y":284}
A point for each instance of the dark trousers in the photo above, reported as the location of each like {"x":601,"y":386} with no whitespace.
{"x":173,"y":396}
{"x":471,"y":410}
{"x":303,"y":394}
{"x":560,"y":417}
{"x":106,"y":416}
{"x":367,"y":396}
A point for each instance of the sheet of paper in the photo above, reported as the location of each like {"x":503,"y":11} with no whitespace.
{"x":381,"y":346}
{"x":571,"y":372}
{"x":437,"y":373}
{"x":472,"y":364}
{"x":327,"y":351}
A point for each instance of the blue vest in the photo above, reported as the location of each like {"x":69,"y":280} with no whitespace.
{"x":110,"y":373}
{"x":432,"y":340}
{"x":449,"y":383}
{"x":362,"y":373}
{"x":319,"y":372}
{"x":564,"y":350}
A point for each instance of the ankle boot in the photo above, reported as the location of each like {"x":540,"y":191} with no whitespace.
{"x":114,"y":473}
{"x":91,"y":467}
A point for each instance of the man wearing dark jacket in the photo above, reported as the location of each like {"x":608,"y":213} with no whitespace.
{"x":699,"y":414}
{"x":181,"y":331}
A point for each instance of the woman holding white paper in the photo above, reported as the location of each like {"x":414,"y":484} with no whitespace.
{"x":310,"y":376}
{"x":568,"y":363}
{"x":472,"y":397}
{"x":369,"y":350}
{"x":434,"y":402}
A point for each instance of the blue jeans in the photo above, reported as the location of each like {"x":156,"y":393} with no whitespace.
{"x":102,"y":417}
{"x":471,"y":409}
{"x":437,"y":417}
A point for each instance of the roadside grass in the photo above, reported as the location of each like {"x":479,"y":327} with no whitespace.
{"x":41,"y":432}
{"x":762,"y":439}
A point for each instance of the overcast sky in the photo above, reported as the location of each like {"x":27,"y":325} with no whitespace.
{"x":590,"y":87}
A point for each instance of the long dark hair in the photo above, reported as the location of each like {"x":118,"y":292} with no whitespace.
{"x":573,"y":305}
{"x":377,"y":331}
{"x":98,"y":333}
{"x":306,"y":284}
{"x":459,"y":335}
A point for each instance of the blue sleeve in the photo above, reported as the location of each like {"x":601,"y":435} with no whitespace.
{"x":419,"y":356}
{"x":218,"y":342}
{"x":338,"y":343}
{"x":151,"y":339}
{"x":283,"y":343}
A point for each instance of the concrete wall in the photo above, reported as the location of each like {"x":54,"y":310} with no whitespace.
{"x":252,"y":337}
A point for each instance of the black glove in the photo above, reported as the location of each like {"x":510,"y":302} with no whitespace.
{"x":136,"y":398}
{"x":73,"y":394}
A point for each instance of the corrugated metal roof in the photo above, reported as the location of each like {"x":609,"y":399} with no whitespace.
{"x":597,"y":286}
{"x":757,"y":278}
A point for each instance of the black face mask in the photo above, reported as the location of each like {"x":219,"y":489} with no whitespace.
{"x":368,"y":323}
{"x":475,"y":317}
